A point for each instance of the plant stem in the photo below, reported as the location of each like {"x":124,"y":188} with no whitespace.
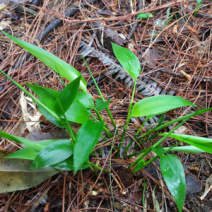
{"x":157,"y":143}
{"x":99,"y":168}
{"x":67,"y":123}
{"x":100,"y":93}
{"x":174,"y":121}
{"x":128,"y":146}
{"x":109,"y":134}
{"x":31,"y":96}
{"x":128,"y":118}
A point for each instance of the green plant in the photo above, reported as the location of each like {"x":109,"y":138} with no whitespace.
{"x":199,"y":2}
{"x":71,"y":105}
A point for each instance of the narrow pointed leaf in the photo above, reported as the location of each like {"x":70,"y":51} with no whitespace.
{"x":47,"y":96}
{"x":174,"y":177}
{"x":199,"y":142}
{"x":66,"y":97}
{"x":156,"y":105}
{"x":188,"y":149}
{"x":101,"y":105}
{"x":24,"y":141}
{"x":53,"y":153}
{"x":24,"y":153}
{"x":58,"y":65}
{"x":86,"y":140}
{"x":128,"y":60}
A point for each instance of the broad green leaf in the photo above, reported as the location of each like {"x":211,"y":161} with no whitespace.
{"x":48,"y":96}
{"x":53,"y":153}
{"x":68,"y":164}
{"x":86,"y":99}
{"x":27,"y":143}
{"x":24,"y":153}
{"x":86,"y":140}
{"x":15,"y":174}
{"x":66,"y":97}
{"x":199,"y":142}
{"x":101,"y":105}
{"x":77,"y":113}
{"x":156,"y":105}
{"x":58,"y":65}
{"x":188,"y":149}
{"x":174,"y":176}
{"x":128,"y":60}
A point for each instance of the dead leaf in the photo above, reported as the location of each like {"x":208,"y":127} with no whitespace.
{"x":15,"y":174}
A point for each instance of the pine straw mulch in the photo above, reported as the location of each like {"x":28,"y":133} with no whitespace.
{"x":181,"y":63}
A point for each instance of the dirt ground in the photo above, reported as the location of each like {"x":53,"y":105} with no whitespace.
{"x":174,"y":46}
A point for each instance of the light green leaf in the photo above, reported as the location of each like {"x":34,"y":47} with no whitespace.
{"x":145,"y":15}
{"x":199,"y":142}
{"x":66,"y":97}
{"x":188,"y":149}
{"x":174,"y":177}
{"x":156,"y":105}
{"x":128,"y":60}
{"x":58,"y":65}
{"x":86,"y":99}
{"x":24,"y":153}
{"x":77,"y":113}
{"x":101,"y":105}
{"x":53,"y":153}
{"x":86,"y":140}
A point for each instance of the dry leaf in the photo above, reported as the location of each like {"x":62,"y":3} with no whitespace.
{"x":15,"y":174}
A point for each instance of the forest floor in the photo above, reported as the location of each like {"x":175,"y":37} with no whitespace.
{"x":174,"y":45}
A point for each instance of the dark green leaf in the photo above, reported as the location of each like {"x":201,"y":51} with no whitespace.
{"x":174,"y":177}
{"x":101,"y":105}
{"x":86,"y":140}
{"x":66,"y":97}
{"x":68,"y":164}
{"x":53,"y":153}
{"x":58,"y":65}
{"x":128,"y":60}
{"x":49,"y":117}
{"x":47,"y":96}
{"x":158,"y":104}
{"x":199,"y":142}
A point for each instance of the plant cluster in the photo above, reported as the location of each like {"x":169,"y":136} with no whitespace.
{"x":75,"y":105}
